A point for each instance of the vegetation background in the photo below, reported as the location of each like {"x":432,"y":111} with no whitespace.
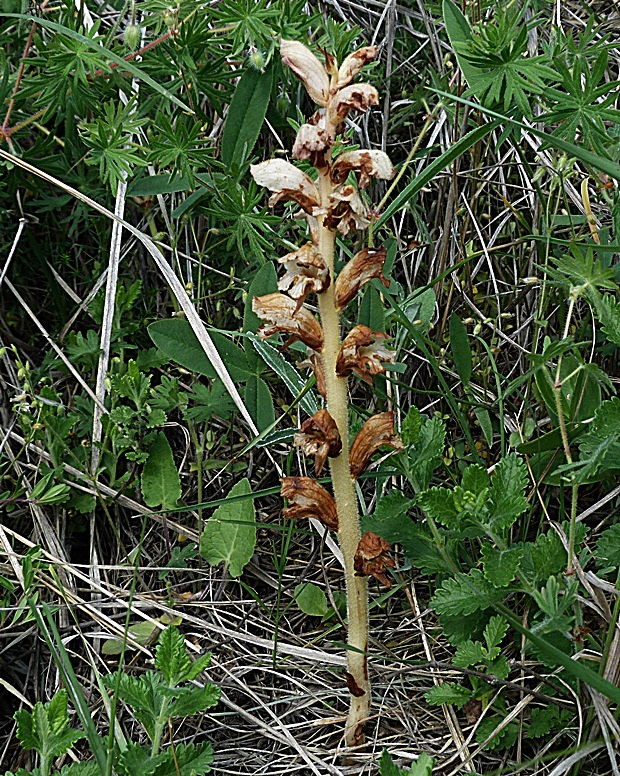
{"x":138,"y":493}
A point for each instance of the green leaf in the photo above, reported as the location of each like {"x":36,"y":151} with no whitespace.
{"x":608,"y":312}
{"x":192,"y":700}
{"x":500,"y":566}
{"x":186,"y":760}
{"x":471,"y":653}
{"x":495,"y":631}
{"x":448,"y":693}
{"x":154,"y":185}
{"x":544,"y":720}
{"x":246,"y":115}
{"x":230,"y":533}
{"x":599,"y":448}
{"x":461,"y":352}
{"x":145,"y":695}
{"x":161,"y":484}
{"x":423,"y":766}
{"x":257,"y":398}
{"x":411,"y":426}
{"x":438,"y":504}
{"x":372,"y":311}
{"x":507,"y":497}
{"x":209,"y":401}
{"x":287,"y":373}
{"x":46,"y":728}
{"x":503,"y":740}
{"x":137,"y":759}
{"x":77,"y":769}
{"x":464,"y":594}
{"x":175,"y":338}
{"x":425,"y":454}
{"x":484,"y":418}
{"x":608,"y":547}
{"x":459,"y":32}
{"x":311,"y":599}
{"x":171,"y":657}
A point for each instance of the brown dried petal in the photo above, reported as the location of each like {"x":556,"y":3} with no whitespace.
{"x":354,"y":97}
{"x":319,"y":436}
{"x":288,"y":182}
{"x":366,"y":164}
{"x":371,"y":558}
{"x":347,"y":211}
{"x":354,"y":63}
{"x":307,"y":68}
{"x":311,"y":143}
{"x":366,"y":264}
{"x":377,"y":431}
{"x":305,"y":272}
{"x":308,"y":499}
{"x":363,"y":352}
{"x":281,"y":315}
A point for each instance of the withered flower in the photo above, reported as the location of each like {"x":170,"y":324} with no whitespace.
{"x":314,"y":361}
{"x":287,"y":182}
{"x":347,"y":211}
{"x":365,"y":163}
{"x":354,"y":97}
{"x":363,"y":353}
{"x":305,"y":272}
{"x":307,"y":68}
{"x":311,"y":143}
{"x":366,"y":264}
{"x":378,"y":430}
{"x":319,"y":436}
{"x":371,"y":558}
{"x":282,"y":315}
{"x":307,"y":498}
{"x":354,"y":63}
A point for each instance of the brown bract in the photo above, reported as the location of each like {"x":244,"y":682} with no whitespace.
{"x":363,"y":353}
{"x":347,"y":211}
{"x":288,"y":182}
{"x":307,"y":68}
{"x":311,"y":143}
{"x":354,"y":63}
{"x":377,"y":431}
{"x":314,"y":361}
{"x":305,"y":272}
{"x":366,"y":264}
{"x":354,"y":97}
{"x":371,"y":558}
{"x":282,"y":315}
{"x":309,"y":499}
{"x":319,"y":436}
{"x":365,"y":163}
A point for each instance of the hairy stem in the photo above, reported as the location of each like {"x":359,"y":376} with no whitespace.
{"x":344,"y":493}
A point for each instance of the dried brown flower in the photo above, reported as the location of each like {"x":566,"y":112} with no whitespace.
{"x":319,"y":436}
{"x":378,"y":430}
{"x":354,"y":63}
{"x":309,"y":499}
{"x":282,"y":315}
{"x":305,"y":272}
{"x":371,"y":558}
{"x":367,"y":164}
{"x":287,"y":182}
{"x":311,"y":143}
{"x":363,"y":353}
{"x":354,"y":97}
{"x":347,"y":211}
{"x":366,"y":264}
{"x":307,"y":68}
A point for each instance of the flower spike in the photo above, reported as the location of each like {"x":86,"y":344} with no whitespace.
{"x":319,"y":436}
{"x":309,"y":499}
{"x":366,"y":264}
{"x":363,"y":353}
{"x":377,"y":431}
{"x":282,"y":315}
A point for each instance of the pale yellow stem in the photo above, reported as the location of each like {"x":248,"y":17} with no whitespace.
{"x":344,"y":493}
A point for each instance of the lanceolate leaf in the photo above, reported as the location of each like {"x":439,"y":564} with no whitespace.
{"x":259,"y":402}
{"x":461,"y":352}
{"x":230,"y":534}
{"x":246,"y":115}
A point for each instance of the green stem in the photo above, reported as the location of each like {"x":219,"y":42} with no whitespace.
{"x":344,"y":492}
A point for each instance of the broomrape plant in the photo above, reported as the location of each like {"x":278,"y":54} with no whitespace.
{"x":333,"y":205}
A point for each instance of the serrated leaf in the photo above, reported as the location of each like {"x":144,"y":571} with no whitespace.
{"x":500,"y":566}
{"x":78,"y":769}
{"x":608,"y":312}
{"x":599,"y":447}
{"x":145,"y":695}
{"x":161,"y":484}
{"x":544,"y":720}
{"x":246,"y":115}
{"x":495,"y":631}
{"x":192,"y":700}
{"x":423,"y":766}
{"x":448,"y":693}
{"x":503,"y":740}
{"x":461,"y":351}
{"x":475,"y":479}
{"x":186,"y":760}
{"x":425,"y":454}
{"x":46,"y":728}
{"x":544,"y":557}
{"x":171,"y":657}
{"x":438,"y":504}
{"x":411,"y":426}
{"x":464,"y":594}
{"x":230,"y":533}
{"x":311,"y":599}
{"x":608,"y":547}
{"x":470,"y":653}
{"x":507,"y":497}
{"x":137,"y":759}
